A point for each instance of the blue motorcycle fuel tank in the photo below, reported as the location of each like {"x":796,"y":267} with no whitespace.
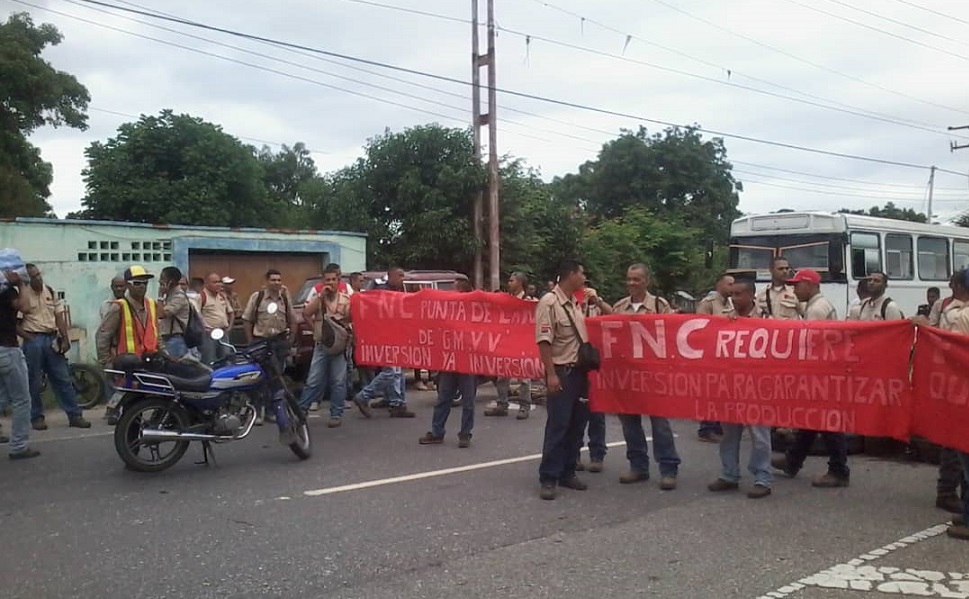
{"x":237,"y":377}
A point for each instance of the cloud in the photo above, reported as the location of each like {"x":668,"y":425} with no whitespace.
{"x":133,"y":75}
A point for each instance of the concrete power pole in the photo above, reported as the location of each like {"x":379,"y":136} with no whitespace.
{"x":931,"y":191}
{"x":479,"y":120}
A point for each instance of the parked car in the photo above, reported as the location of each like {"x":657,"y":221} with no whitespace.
{"x":414,"y":280}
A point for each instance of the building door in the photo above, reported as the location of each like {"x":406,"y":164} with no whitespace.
{"x":249,"y":268}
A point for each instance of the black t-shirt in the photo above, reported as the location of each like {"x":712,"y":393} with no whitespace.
{"x":8,"y":317}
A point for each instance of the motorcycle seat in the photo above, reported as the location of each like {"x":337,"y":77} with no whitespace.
{"x":195,"y":384}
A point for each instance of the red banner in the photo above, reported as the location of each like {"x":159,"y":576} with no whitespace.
{"x":941,"y":376}
{"x":821,"y":375}
{"x":818,"y":375}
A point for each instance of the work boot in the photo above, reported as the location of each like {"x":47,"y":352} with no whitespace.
{"x":960,"y":532}
{"x":334,"y":423}
{"x":430,"y":439}
{"x":595,"y":466}
{"x":380,"y":404}
{"x":579,"y":466}
{"x":421,"y":386}
{"x":959,"y":520}
{"x":39,"y":424}
{"x":780,"y":462}
{"x":722,"y":485}
{"x":464,"y":441}
{"x":633,"y":477}
{"x":401,"y":412}
{"x":830,"y":481}
{"x":523,"y":414}
{"x":573,"y":483}
{"x":759,"y":492}
{"x":710,"y":437}
{"x":24,"y":455}
{"x":496,"y":411}
{"x":667,"y":483}
{"x":548,"y":492}
{"x":78,"y":422}
{"x":363,"y":406}
{"x":949,"y":503}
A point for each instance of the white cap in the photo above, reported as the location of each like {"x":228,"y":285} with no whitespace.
{"x":228,"y":280}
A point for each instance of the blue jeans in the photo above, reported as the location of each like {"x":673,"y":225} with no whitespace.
{"x":709,"y":427}
{"x":597,"y":437}
{"x":449,"y":384}
{"x":964,"y":457}
{"x":327,"y":374}
{"x":175,"y":346}
{"x":567,"y":417}
{"x":390,"y":380}
{"x":15,"y":391}
{"x":42,"y":358}
{"x":836,"y":443}
{"x":759,"y":464}
{"x":637,"y":452}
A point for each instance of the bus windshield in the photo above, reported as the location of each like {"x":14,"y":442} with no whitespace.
{"x":822,"y":253}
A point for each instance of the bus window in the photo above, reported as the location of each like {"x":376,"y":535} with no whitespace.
{"x":960,"y":251}
{"x":866,"y":254}
{"x":898,"y":257}
{"x":933,"y":259}
{"x":813,"y":256}
{"x":750,"y":257}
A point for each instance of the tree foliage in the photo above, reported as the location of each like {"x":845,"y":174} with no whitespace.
{"x":890,"y":210}
{"x":287,"y":174}
{"x":33,"y":94}
{"x":175,"y":169}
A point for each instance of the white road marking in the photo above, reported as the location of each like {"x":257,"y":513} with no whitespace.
{"x":857,"y":576}
{"x":36,"y":439}
{"x":435,"y":473}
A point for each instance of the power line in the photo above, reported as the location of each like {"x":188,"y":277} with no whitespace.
{"x":897,"y":22}
{"x":852,"y":110}
{"x":525,"y":95}
{"x":804,"y":60}
{"x":882,"y":31}
{"x":887,"y":194}
{"x":835,"y":193}
{"x":935,"y":12}
{"x":831,"y":178}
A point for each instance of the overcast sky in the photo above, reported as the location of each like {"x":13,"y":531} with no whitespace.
{"x":914,"y":89}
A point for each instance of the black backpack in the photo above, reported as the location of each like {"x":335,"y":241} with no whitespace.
{"x":192,"y":331}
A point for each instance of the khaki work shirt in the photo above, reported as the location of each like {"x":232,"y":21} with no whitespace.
{"x":216,"y":310}
{"x":650,"y":305}
{"x":715,"y":305}
{"x":819,"y":308}
{"x":779,"y":303}
{"x":871,"y":309}
{"x":264,"y":323}
{"x":173,"y":319}
{"x":106,"y":339}
{"x":956,"y":317}
{"x":39,"y":309}
{"x":935,"y":314}
{"x":337,"y":308}
{"x":552,"y":326}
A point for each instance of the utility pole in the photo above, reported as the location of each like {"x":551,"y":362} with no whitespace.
{"x":479,"y":120}
{"x":476,"y":122}
{"x":931,"y":191}
{"x":953,"y":146}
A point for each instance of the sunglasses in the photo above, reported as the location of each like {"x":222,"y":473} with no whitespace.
{"x":139,"y":283}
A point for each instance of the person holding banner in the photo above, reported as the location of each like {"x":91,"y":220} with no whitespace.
{"x":807,"y":288}
{"x":592,"y":305}
{"x":744,"y":302}
{"x":641,"y":301}
{"x":450,"y":384}
{"x":517,"y":283}
{"x":717,"y":303}
{"x":560,"y":331}
{"x":777,"y":300}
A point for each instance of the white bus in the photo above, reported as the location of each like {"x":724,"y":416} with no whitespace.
{"x":844,"y":248}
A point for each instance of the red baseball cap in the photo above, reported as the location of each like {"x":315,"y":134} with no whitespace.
{"x":805,"y":275}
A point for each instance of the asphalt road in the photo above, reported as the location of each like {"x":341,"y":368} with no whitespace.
{"x":372,"y":516}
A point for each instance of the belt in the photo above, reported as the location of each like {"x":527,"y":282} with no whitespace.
{"x":172,"y":335}
{"x":48,"y":333}
{"x":569,"y":365}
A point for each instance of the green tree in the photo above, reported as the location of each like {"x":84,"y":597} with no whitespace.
{"x":176,"y":169}
{"x":33,"y":94}
{"x":286,"y":175}
{"x":675,"y":174}
{"x":412,"y":193}
{"x":890,"y":210}
{"x":671,"y":248}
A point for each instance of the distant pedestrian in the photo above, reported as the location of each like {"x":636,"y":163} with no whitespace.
{"x":14,"y":387}
{"x":217,"y":313}
{"x":174,"y":311}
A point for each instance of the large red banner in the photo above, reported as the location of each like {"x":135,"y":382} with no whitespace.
{"x":941,"y":376}
{"x":821,"y":375}
{"x":818,"y":375}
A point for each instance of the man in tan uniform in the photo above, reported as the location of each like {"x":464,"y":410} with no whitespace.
{"x":641,"y":301}
{"x":777,"y":300}
{"x":216,"y":311}
{"x":807,"y":287}
{"x":878,"y":306}
{"x":560,"y":331}
{"x":716,"y":303}
{"x":263,"y":324}
{"x":516,"y":288}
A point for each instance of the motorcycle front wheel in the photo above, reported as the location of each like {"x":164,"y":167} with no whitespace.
{"x":154,"y":413}
{"x":299,"y":430}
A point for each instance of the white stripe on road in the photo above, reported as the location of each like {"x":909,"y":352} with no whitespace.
{"x":435,"y":473}
{"x":36,"y":439}
{"x":853,"y":575}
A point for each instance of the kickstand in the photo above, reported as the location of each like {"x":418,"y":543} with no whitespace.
{"x":207,"y":452}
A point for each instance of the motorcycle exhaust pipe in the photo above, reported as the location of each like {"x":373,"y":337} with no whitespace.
{"x":151,"y":435}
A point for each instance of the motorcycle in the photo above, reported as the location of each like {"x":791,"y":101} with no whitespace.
{"x":166,"y":404}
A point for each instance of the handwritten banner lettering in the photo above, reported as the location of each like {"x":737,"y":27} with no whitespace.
{"x":822,"y":375}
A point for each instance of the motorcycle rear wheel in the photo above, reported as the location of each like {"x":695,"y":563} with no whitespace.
{"x":302,"y":446}
{"x":89,"y":385}
{"x":154,"y":413}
